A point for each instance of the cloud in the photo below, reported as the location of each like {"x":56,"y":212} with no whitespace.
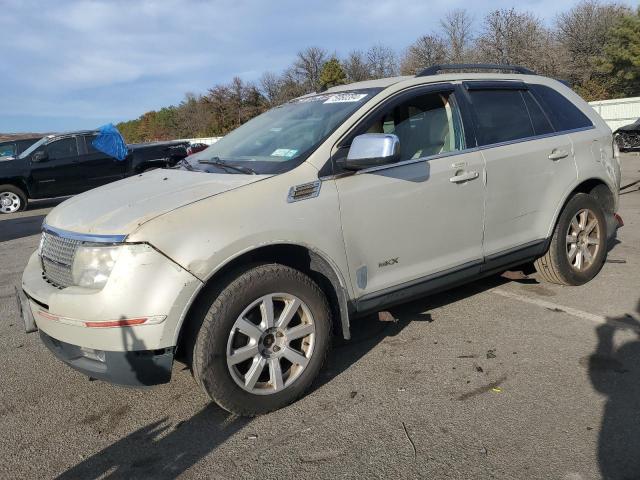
{"x":71,"y":63}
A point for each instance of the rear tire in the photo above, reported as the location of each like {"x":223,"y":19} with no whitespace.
{"x":251,"y":357}
{"x":12,"y":199}
{"x":578,"y":247}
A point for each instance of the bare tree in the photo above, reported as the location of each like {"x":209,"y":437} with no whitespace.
{"x":271,"y":87}
{"x":427,"y":50}
{"x":510,"y":37}
{"x":355,"y":66}
{"x":382,"y":62}
{"x":457,"y":26}
{"x":292,"y":87}
{"x":308,"y":66}
{"x":193,"y":116}
{"x":582,"y":32}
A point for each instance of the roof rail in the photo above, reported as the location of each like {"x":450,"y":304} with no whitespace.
{"x":435,"y":69}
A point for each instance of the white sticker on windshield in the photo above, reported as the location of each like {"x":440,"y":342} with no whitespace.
{"x":284,"y":152}
{"x":345,"y":97}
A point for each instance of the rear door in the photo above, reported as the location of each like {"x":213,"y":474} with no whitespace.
{"x":98,"y":168}
{"x":415,"y":222}
{"x":529,"y":167}
{"x":57,"y":174}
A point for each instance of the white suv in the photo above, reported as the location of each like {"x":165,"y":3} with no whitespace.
{"x":242,"y":259}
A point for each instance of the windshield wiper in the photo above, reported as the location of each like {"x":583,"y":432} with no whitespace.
{"x":184,"y":163}
{"x":221,"y":163}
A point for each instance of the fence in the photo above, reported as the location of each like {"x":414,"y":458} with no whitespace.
{"x":619,"y":112}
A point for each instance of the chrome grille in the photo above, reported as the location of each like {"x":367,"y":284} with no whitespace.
{"x":57,"y":258}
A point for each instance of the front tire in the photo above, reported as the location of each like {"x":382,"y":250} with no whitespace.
{"x":578,"y":247}
{"x":263,"y":340}
{"x":12,"y":199}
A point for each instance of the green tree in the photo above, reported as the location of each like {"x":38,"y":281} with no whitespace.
{"x":332,"y":74}
{"x":621,"y":58}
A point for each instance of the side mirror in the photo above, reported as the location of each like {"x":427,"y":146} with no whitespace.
{"x":371,"y":150}
{"x":40,"y":156}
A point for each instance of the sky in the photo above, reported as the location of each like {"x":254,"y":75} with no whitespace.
{"x":72,"y":64}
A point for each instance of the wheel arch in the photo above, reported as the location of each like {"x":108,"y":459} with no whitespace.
{"x":17,"y":182}
{"x":593,"y":186}
{"x":303,"y":258}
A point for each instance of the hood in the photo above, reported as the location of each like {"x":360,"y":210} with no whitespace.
{"x":121,"y":207}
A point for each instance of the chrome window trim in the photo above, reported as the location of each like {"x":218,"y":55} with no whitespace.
{"x":536,"y":137}
{"x":83,"y":237}
{"x":416,"y":160}
{"x":457,"y":152}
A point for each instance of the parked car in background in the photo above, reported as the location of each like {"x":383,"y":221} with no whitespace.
{"x":67,"y":164}
{"x":12,"y":148}
{"x":243,"y":259}
{"x":196,"y":147}
{"x":628,"y":137}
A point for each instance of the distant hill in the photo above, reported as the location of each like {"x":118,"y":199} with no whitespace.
{"x":17,"y":136}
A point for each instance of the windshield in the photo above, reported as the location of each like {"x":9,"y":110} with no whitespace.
{"x":7,"y":151}
{"x":281,"y":138}
{"x":34,"y":147}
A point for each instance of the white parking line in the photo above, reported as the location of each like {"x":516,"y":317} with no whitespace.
{"x":599,"y":319}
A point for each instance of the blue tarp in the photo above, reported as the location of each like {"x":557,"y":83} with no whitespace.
{"x":110,"y":141}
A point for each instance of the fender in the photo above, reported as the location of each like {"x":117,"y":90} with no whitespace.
{"x":319,"y":262}
{"x":574,"y":188}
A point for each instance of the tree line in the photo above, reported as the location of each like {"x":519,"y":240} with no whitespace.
{"x":594,"y":46}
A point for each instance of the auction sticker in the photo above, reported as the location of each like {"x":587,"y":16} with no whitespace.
{"x":345,"y":97}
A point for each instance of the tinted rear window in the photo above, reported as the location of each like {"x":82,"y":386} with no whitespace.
{"x":88,"y":141}
{"x":539,"y":120}
{"x":501,"y":116}
{"x":563,"y":114}
{"x":63,"y":148}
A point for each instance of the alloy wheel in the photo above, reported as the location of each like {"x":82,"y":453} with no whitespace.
{"x":271,"y":343}
{"x":9,"y":202}
{"x":584,"y":238}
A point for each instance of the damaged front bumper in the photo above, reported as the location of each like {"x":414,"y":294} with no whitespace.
{"x":124,"y":333}
{"x":135,"y":368}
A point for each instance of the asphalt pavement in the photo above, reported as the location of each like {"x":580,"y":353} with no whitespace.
{"x":496,"y":379}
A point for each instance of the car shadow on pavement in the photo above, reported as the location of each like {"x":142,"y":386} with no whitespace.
{"x":19,"y":227}
{"x":368,"y":331}
{"x":161,"y":450}
{"x":615,"y":372}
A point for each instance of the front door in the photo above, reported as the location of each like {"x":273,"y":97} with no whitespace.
{"x":416,"y":220}
{"x":57,"y":174}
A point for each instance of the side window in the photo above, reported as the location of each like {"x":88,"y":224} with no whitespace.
{"x":426,"y":125}
{"x":563,"y":114}
{"x":63,"y":148}
{"x":501,"y":116}
{"x":539,"y":120}
{"x":88,"y":139}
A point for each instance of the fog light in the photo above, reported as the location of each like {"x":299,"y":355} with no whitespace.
{"x":92,"y":354}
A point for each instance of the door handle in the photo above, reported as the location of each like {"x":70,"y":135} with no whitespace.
{"x":558,"y":154}
{"x":464,"y":177}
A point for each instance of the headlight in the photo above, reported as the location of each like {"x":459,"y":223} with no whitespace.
{"x":92,"y":265}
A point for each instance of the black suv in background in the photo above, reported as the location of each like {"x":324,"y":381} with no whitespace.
{"x":68,"y":164}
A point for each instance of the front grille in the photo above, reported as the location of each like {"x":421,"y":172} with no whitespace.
{"x":57,"y":258}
